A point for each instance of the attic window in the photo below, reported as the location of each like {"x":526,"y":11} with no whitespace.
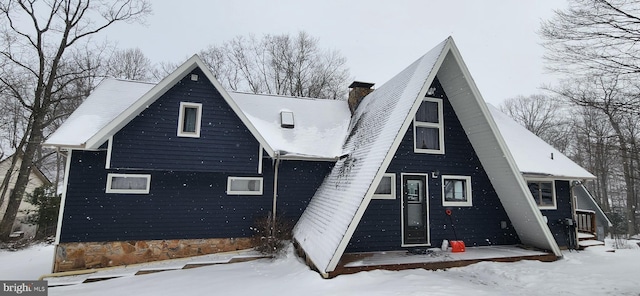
{"x":428,"y":127}
{"x":286,"y":119}
{"x":189,"y":120}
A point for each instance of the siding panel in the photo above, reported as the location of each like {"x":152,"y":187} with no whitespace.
{"x":150,"y":140}
{"x":180,"y":205}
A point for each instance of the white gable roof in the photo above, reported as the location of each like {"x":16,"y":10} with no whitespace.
{"x":532,"y":154}
{"x":319,"y":130}
{"x":375,"y":132}
{"x":131,"y":105}
{"x":110,"y":98}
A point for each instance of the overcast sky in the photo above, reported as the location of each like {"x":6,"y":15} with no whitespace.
{"x":497,"y":38}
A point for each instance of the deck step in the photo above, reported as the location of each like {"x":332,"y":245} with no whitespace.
{"x":589,"y":243}
{"x":586,"y":236}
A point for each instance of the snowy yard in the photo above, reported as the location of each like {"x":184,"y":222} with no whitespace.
{"x":590,"y":272}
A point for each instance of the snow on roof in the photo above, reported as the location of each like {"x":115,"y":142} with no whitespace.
{"x":533,"y":155}
{"x":323,"y":230}
{"x":110,"y":98}
{"x":319,"y":130}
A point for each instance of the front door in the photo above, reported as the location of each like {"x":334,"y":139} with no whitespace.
{"x":415,"y":210}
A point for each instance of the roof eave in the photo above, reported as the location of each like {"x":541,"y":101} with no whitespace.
{"x":557,"y":177}
{"x":158,"y":90}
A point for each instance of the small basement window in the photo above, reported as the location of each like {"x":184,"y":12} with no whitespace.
{"x":386,"y":188}
{"x":544,"y":193}
{"x":189,"y":120}
{"x":456,"y":191}
{"x":128,"y":183}
{"x":286,"y":119}
{"x":244,"y":186}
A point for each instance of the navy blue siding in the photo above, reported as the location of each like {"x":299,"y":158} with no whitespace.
{"x":180,"y":205}
{"x":150,"y":140}
{"x":555,"y":218}
{"x":380,"y":227}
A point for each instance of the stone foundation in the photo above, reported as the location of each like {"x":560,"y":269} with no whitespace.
{"x":87,"y":255}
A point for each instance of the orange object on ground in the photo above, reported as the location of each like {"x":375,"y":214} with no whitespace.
{"x":457,"y":246}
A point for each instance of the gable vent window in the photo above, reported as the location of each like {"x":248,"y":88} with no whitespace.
{"x":189,"y":120}
{"x":286,"y":119}
{"x":428,"y":126}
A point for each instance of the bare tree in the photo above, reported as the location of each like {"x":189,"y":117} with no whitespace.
{"x":129,"y":64}
{"x":596,"y":150}
{"x":598,"y":36}
{"x":37,"y":59}
{"x":279,"y":64}
{"x":542,"y":115}
{"x":608,"y":95}
{"x":595,"y":42}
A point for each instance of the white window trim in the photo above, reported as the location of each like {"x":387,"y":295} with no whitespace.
{"x":469,"y":201}
{"x":107,"y":163}
{"x":110,"y":176}
{"x":231,"y":192}
{"x":439,"y":126}
{"x":553,"y":193}
{"x":181,"y":132}
{"x":393,"y":188}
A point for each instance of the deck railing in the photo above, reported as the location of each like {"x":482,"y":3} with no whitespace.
{"x":586,"y":221}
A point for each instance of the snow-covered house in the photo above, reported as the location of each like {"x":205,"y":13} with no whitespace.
{"x":21,"y":226}
{"x":184,"y":167}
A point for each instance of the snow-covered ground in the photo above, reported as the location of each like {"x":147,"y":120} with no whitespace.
{"x":590,"y":272}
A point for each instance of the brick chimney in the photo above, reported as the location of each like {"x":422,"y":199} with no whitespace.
{"x":358,"y":91}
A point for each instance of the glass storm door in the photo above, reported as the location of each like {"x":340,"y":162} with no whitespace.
{"x":415,"y":210}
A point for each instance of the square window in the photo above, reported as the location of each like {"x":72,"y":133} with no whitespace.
{"x":386,"y":188}
{"x":543,"y":193}
{"x":456,"y":191}
{"x":128,"y":183}
{"x":244,"y":185}
{"x":428,"y":126}
{"x":189,"y":120}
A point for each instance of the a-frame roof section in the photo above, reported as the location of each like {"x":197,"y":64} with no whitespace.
{"x":161,"y":88}
{"x":375,"y":132}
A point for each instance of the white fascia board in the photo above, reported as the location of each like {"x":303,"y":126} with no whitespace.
{"x":157,"y":91}
{"x":333,"y":263}
{"x":63,"y":198}
{"x":518,"y":178}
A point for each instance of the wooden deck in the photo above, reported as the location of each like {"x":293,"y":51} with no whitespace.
{"x":435,"y":259}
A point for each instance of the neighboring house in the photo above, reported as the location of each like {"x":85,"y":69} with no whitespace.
{"x":36,"y":179}
{"x":184,"y":167}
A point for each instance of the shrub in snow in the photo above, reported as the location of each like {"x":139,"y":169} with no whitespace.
{"x":270,"y":237}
